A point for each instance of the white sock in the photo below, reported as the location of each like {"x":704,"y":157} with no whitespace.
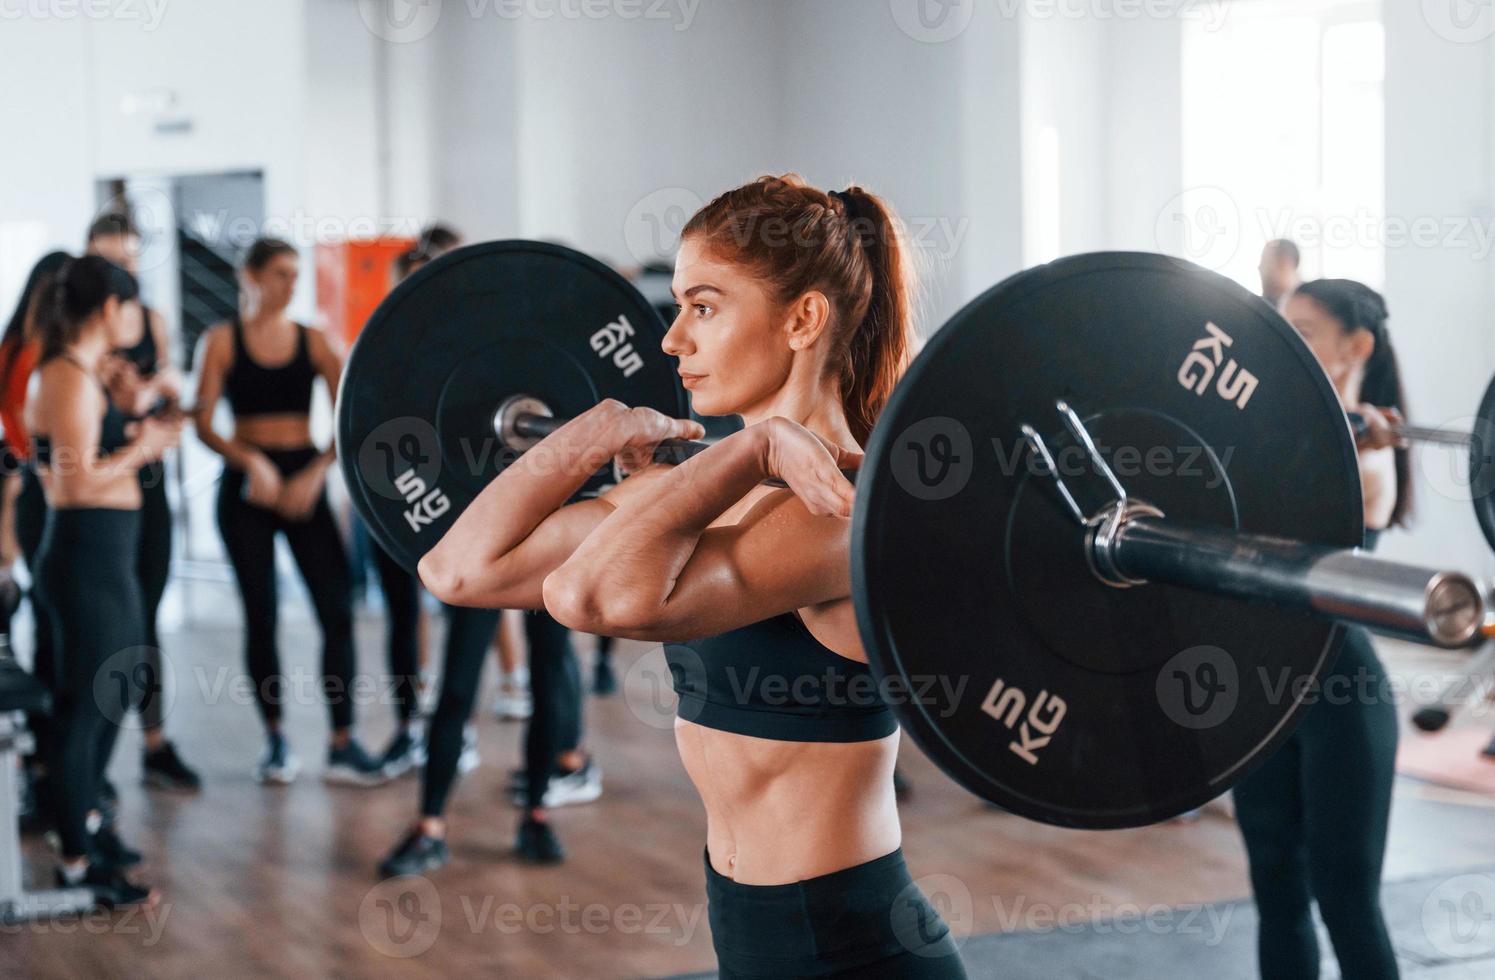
{"x":73,"y":873}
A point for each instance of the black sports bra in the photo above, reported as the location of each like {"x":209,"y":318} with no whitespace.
{"x":772,"y":679}
{"x":144,"y":354}
{"x":111,"y":427}
{"x":253,"y":389}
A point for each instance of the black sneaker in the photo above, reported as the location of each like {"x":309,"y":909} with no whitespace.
{"x":604,"y":681}
{"x":164,"y":769}
{"x":353,"y":766}
{"x":403,"y":753}
{"x":111,"y":889}
{"x":537,"y":843}
{"x":106,"y":848}
{"x":416,"y":854}
{"x":279,"y":764}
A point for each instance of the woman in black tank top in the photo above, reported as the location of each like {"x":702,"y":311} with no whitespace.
{"x":87,"y":460}
{"x":141,"y":379}
{"x":274,"y":484}
{"x":1314,"y":816}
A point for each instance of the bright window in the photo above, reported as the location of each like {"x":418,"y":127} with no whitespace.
{"x":1283,"y":111}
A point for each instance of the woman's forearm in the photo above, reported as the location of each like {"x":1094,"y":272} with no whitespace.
{"x":645,"y":543}
{"x":235,"y":453}
{"x":532,"y":488}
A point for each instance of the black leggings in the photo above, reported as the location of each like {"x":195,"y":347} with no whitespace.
{"x":555,"y":688}
{"x":1314,"y":820}
{"x":868,"y":921}
{"x":468,"y":634}
{"x":31,"y":522}
{"x":402,"y":609}
{"x":249,"y":537}
{"x":555,"y":684}
{"x":153,"y":565}
{"x":86,"y":567}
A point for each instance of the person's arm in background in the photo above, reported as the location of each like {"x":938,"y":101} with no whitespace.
{"x":10,"y":492}
{"x":302,"y":490}
{"x":1376,"y":445}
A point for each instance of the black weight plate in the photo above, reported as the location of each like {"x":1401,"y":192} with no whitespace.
{"x":451,"y":343}
{"x":1022,"y":675}
{"x":1482,"y":465}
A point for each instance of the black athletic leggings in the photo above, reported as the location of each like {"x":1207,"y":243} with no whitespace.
{"x":86,"y":568}
{"x":249,"y":537}
{"x":153,"y":567}
{"x":402,"y":624}
{"x":1314,"y":820}
{"x":31,"y":522}
{"x":871,"y":922}
{"x":555,"y":685}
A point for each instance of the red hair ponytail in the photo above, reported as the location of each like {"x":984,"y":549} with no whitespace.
{"x":849,"y":245}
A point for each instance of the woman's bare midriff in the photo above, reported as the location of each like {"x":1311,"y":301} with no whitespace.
{"x":289,"y":431}
{"x":117,"y":493}
{"x":779,"y":812}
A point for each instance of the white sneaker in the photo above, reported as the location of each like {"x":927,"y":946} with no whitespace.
{"x":575,"y":788}
{"x":513,"y":703}
{"x":470,"y":758}
{"x":279,"y":764}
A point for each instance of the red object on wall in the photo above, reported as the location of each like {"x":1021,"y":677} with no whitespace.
{"x":352,"y":278}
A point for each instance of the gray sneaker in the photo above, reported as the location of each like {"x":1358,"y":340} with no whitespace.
{"x":279,"y":764}
{"x":353,"y":766}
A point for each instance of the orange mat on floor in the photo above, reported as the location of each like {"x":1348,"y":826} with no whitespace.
{"x":1449,"y":759}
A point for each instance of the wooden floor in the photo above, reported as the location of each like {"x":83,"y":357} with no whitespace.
{"x":280,"y":882}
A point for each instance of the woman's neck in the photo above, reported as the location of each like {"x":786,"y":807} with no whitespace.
{"x":1348,"y":388}
{"x":819,"y":411}
{"x":89,"y":349}
{"x":259,"y":317}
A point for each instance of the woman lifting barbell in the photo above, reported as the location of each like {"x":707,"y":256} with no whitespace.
{"x":1314,"y":815}
{"x":796,"y":314}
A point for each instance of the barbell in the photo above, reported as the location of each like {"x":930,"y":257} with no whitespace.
{"x":1479,"y":442}
{"x":1105,"y":530}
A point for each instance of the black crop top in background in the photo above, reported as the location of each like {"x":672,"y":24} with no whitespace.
{"x":143,"y":355}
{"x":772,"y":679}
{"x":253,"y":389}
{"x":111,"y":434}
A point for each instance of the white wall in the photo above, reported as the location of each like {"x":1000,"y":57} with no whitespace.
{"x":1143,"y":143}
{"x":475,"y":118}
{"x":651,"y":118}
{"x":1065,"y":92}
{"x":931,"y":122}
{"x":1440,"y":129}
{"x":46,"y":176}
